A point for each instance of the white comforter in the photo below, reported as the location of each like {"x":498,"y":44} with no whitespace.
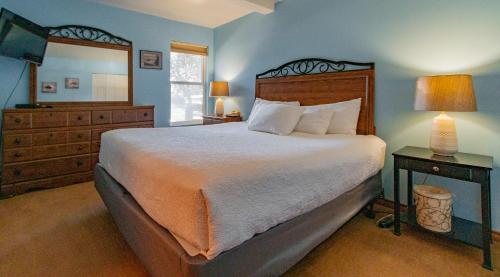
{"x":214,"y":187}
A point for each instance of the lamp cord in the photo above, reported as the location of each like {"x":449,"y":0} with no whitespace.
{"x":15,"y":86}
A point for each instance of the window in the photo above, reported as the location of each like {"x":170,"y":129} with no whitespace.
{"x":109,"y":87}
{"x":187,"y":83}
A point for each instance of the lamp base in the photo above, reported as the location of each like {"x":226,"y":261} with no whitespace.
{"x":444,"y":136}
{"x":219,"y":107}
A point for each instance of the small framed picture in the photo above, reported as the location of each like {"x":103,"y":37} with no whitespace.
{"x":49,"y":87}
{"x":72,"y":83}
{"x":151,"y":59}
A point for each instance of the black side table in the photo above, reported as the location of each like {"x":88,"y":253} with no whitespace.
{"x":462,"y":166}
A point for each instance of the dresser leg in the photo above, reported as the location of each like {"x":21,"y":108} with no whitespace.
{"x":397,"y":209}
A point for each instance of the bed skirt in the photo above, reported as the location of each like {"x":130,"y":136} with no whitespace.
{"x":268,"y":254}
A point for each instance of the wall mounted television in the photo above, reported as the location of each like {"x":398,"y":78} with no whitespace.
{"x":21,"y":38}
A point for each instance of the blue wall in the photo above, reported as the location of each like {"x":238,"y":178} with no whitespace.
{"x":405,"y":39}
{"x":56,"y":69}
{"x":146,"y":32}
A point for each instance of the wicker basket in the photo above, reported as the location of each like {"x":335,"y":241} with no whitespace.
{"x":434,"y":210}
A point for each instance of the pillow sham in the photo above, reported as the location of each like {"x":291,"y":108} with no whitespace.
{"x":259,"y":101}
{"x":274,"y":118}
{"x":314,"y":121}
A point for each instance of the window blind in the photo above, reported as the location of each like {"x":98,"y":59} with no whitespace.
{"x":188,"y":48}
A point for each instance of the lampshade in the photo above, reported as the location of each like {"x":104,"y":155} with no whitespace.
{"x":219,"y":89}
{"x":453,"y":93}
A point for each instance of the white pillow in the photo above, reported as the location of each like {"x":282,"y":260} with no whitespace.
{"x":314,"y":121}
{"x":259,"y":101}
{"x":345,"y":116}
{"x":279,"y":119}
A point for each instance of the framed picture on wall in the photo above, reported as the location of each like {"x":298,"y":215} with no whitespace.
{"x":72,"y":83}
{"x":49,"y":87}
{"x":151,"y":59}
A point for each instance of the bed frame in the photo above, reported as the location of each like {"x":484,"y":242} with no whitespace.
{"x":310,"y":81}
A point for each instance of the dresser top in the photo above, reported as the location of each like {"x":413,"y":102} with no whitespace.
{"x":458,"y":159}
{"x":77,"y":108}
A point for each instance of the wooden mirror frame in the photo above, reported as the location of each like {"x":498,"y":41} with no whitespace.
{"x":91,"y":37}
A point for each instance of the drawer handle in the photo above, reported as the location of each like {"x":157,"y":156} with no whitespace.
{"x":79,"y":117}
{"x":80,"y":148}
{"x":80,"y":136}
{"x":17,"y":120}
{"x":51,"y":135}
{"x":79,"y":163}
{"x":145,"y":114}
{"x":17,"y":155}
{"x":17,"y":141}
{"x":435,"y":169}
{"x":17,"y":172}
{"x":101,"y":116}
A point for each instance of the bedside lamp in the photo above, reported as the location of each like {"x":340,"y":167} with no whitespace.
{"x":453,"y":93}
{"x":219,"y":89}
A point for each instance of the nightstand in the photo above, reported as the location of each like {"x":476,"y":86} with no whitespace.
{"x":462,"y":166}
{"x":213,"y":119}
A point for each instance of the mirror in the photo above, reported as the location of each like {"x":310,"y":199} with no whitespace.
{"x":83,"y":71}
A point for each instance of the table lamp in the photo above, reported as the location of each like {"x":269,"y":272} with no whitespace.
{"x":219,"y":89}
{"x":452,"y":93}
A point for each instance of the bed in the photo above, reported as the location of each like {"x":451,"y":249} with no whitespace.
{"x":244,"y":203}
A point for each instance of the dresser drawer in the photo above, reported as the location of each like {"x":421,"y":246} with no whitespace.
{"x":79,"y":136}
{"x":17,"y":155}
{"x":96,"y":146}
{"x":122,"y":116}
{"x":50,"y":119}
{"x":145,"y":115}
{"x":49,"y":151}
{"x":17,"y":140}
{"x":78,"y":148}
{"x":49,"y":138}
{"x":79,"y":118}
{"x":440,"y":169}
{"x":43,"y":169}
{"x":101,"y":117}
{"x":96,"y":133}
{"x":15,"y":121}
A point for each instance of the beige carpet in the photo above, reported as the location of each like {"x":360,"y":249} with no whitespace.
{"x":68,"y":232}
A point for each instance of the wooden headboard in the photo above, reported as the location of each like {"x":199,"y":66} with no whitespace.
{"x":319,"y":81}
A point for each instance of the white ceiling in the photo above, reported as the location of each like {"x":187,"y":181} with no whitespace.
{"x":208,"y":13}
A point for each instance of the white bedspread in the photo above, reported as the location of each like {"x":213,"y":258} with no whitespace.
{"x":214,"y":187}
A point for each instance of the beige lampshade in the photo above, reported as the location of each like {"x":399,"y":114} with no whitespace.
{"x":453,"y":93}
{"x":219,"y":89}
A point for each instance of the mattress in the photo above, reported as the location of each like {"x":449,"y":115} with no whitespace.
{"x":214,"y":187}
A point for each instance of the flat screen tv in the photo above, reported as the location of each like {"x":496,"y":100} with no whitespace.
{"x":21,"y":38}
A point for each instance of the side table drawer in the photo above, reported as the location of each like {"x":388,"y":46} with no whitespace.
{"x":440,"y":169}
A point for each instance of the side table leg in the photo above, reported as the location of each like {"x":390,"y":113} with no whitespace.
{"x":397,"y":213}
{"x":486,"y":223}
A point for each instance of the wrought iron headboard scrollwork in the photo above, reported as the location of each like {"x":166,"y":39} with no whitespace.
{"x":311,"y":66}
{"x":87,"y":33}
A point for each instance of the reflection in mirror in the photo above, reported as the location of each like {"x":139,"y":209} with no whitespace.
{"x":73,"y":73}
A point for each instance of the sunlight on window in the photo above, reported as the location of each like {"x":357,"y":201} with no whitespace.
{"x":187,"y":73}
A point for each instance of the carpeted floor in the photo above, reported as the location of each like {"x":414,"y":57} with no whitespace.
{"x":68,"y":232}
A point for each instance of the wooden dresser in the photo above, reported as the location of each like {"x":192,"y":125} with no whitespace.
{"x":46,"y":148}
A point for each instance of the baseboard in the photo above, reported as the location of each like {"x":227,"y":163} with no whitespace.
{"x":390,"y":204}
